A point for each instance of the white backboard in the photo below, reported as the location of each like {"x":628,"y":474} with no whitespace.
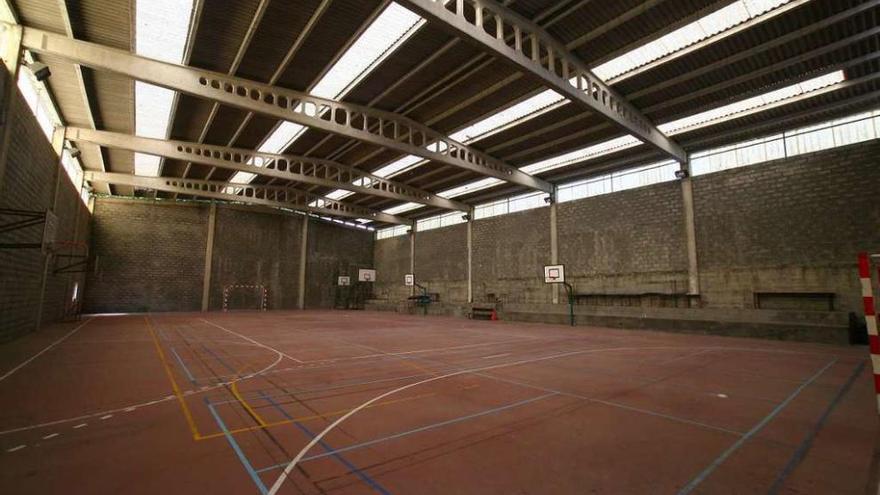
{"x":366,"y":275}
{"x":342,"y":281}
{"x":409,"y":280}
{"x":554,"y":274}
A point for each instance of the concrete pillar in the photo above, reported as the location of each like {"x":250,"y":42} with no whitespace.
{"x":687,"y":196}
{"x":303,"y":260}
{"x":10,"y":38}
{"x":470,"y":256}
{"x":554,"y":246}
{"x":412,"y":257}
{"x":209,"y":257}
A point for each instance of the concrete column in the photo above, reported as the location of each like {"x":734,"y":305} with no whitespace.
{"x":687,"y":196}
{"x":10,"y":38}
{"x":303,"y":260}
{"x":554,"y":247}
{"x":412,"y":257}
{"x":470,"y":256}
{"x":209,"y":257}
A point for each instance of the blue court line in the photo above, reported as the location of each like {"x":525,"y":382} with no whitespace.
{"x":324,"y":389}
{"x":345,"y":462}
{"x":754,"y":431}
{"x":182,"y":365}
{"x":415,"y":430}
{"x":218,"y":358}
{"x":805,"y":446}
{"x":241,"y":457}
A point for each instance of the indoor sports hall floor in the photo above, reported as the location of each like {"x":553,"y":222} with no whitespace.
{"x":359,"y":402}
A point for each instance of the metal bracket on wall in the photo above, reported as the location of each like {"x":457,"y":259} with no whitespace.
{"x":27,"y":219}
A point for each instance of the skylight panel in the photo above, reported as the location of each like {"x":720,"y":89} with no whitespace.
{"x":478,"y":185}
{"x":162,"y":27}
{"x":732,"y":110}
{"x":280,"y":138}
{"x":398,"y":166}
{"x":706,"y":27}
{"x":582,"y":154}
{"x":395,"y":210}
{"x":508,"y":115}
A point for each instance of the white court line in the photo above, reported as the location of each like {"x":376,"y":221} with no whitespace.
{"x":106,"y":417}
{"x":50,"y":346}
{"x":13,"y":449}
{"x":320,"y":436}
{"x":496,"y":356}
{"x":51,"y":435}
{"x":80,"y":426}
{"x":252,"y":341}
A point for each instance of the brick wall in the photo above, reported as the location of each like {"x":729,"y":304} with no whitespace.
{"x":149,"y":256}
{"x":256,"y":247}
{"x":28,"y":184}
{"x":793,"y":225}
{"x":334,"y":251}
{"x":391,"y":256}
{"x":627,"y":242}
{"x":788,"y":225}
{"x":509,"y":252}
{"x":441,"y":262}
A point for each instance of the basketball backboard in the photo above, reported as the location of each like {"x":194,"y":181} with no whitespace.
{"x":409,"y":280}
{"x":554,"y":274}
{"x":366,"y":275}
{"x":343,"y":281}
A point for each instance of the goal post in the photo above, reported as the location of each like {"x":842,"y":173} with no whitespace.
{"x":260,"y":290}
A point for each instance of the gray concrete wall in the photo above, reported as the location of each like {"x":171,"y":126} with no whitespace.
{"x":392,"y":259}
{"x":334,"y":251}
{"x":441,"y":262}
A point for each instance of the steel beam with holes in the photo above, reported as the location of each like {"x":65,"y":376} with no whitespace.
{"x":274,"y":196}
{"x":387,"y":129}
{"x":533,"y":50}
{"x":288,"y":167}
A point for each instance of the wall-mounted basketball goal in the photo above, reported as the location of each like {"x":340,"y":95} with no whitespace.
{"x":555,"y":274}
{"x":246,"y":296}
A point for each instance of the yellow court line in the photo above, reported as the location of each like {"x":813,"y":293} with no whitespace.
{"x":315,"y":416}
{"x":183,"y":406}
{"x":244,"y":403}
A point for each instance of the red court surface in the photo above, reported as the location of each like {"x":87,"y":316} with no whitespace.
{"x":357,"y":402}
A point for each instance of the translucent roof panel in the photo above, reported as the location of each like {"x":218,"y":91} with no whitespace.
{"x":162,"y":27}
{"x":395,"y":210}
{"x":470,"y":187}
{"x":582,"y":154}
{"x":513,"y":113}
{"x":731,"y":110}
{"x":710,"y":25}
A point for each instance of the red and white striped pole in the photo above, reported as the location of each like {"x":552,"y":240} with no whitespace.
{"x":870,"y":319}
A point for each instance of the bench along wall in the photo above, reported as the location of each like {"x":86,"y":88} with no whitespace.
{"x":150,"y":256}
{"x":33,"y":170}
{"x":780,"y":235}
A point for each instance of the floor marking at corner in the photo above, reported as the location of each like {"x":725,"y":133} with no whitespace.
{"x":50,"y":435}
{"x":47,"y":348}
{"x":13,"y":449}
{"x":106,"y":417}
{"x":496,"y":356}
{"x":81,"y":425}
{"x":252,"y":341}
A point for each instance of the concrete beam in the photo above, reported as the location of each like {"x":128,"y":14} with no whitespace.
{"x":273,"y":196}
{"x":380,"y":128}
{"x":287,"y":167}
{"x":539,"y":55}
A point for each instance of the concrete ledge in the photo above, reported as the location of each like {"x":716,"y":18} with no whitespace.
{"x":829,"y":327}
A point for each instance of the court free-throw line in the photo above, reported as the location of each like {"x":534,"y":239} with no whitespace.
{"x":251,"y":340}
{"x":754,"y":431}
{"x":47,"y":348}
